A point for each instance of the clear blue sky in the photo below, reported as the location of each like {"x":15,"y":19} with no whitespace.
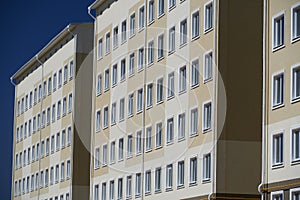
{"x":26,"y":26}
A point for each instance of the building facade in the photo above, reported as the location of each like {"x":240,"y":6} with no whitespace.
{"x":281,"y":142}
{"x":51,"y":120}
{"x":177,"y":99}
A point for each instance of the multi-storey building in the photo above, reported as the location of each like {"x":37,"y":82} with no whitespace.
{"x":177,"y":95}
{"x":52,"y":119}
{"x":281,"y":141}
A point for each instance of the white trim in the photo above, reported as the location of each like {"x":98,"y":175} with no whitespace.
{"x":278,"y":73}
{"x":120,"y":68}
{"x":184,"y":18}
{"x":204,"y":10}
{"x":145,"y":17}
{"x":148,"y":11}
{"x":136,"y":133}
{"x":146,"y":103}
{"x":137,"y":96}
{"x":108,"y":52}
{"x":139,"y":69}
{"x":191,"y":64}
{"x":112,"y":73}
{"x":164,"y":45}
{"x":156,"y":123}
{"x":178,"y":79}
{"x":151,"y":146}
{"x":164,"y":11}
{"x":167,"y":85}
{"x":94,"y":157}
{"x":171,"y":8}
{"x":151,"y":40}
{"x":104,"y":78}
{"x":281,"y":13}
{"x":176,"y":165}
{"x":134,"y":30}
{"x":183,"y":112}
{"x":293,"y":67}
{"x":166,"y":129}
{"x":189,"y":170}
{"x":205,"y":180}
{"x":275,"y":133}
{"x":212,"y":115}
{"x":294,"y":190}
{"x":115,"y":46}
{"x":156,"y":84}
{"x":103,"y":126}
{"x":212,"y":66}
{"x":280,"y":192}
{"x":191,"y":22}
{"x":173,"y":25}
{"x":292,"y":129}
{"x":98,"y":110}
{"x":292,"y":22}
{"x":99,"y":58}
{"x":126,"y":32}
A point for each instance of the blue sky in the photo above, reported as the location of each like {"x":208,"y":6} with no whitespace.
{"x":26,"y":26}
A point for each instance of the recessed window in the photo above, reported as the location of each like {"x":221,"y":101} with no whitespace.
{"x":98,"y":114}
{"x":208,"y":17}
{"x":59,"y":79}
{"x":103,"y":194}
{"x":105,"y":117}
{"x":161,"y":7}
{"x":277,"y":90}
{"x":121,"y":149}
{"x":129,"y":146}
{"x":170,"y":130}
{"x":122,"y":109}
{"x":296,"y":145}
{"x":193,"y":170}
{"x":113,"y":114}
{"x":104,"y":155}
{"x":112,"y":152}
{"x":106,"y":79}
{"x":195,"y":73}
{"x":159,"y":90}
{"x":295,"y":194}
{"x":130,"y":105}
{"x":182,"y":79}
{"x":114,"y":75}
{"x":100,"y":47}
{"x":123,"y":69}
{"x":138,"y":184}
{"x":151,"y":11}
{"x":158,"y":135}
{"x":141,"y":58}
{"x":278,"y":31}
{"x":149,"y":95}
{"x":206,"y":167}
{"x":65,"y":77}
{"x":183,"y":32}
{"x":115,"y":37}
{"x":207,"y":118}
{"x":160,"y":50}
{"x":128,"y":186}
{"x":111,"y":190}
{"x":139,"y":100}
{"x":148,"y":138}
{"x":169,"y":176}
{"x":139,"y":142}
{"x":157,"y":184}
{"x":208,"y":66}
{"x":171,"y":85}
{"x":296,"y":22}
{"x":132,"y":24}
{"x":71,"y":69}
{"x":96,"y":192}
{"x":148,"y":182}
{"x":120,"y":188}
{"x":141,"y":17}
{"x":277,"y":149}
{"x":277,"y":195}
{"x":195,"y":24}
{"x":296,"y":83}
{"x":180,"y":174}
{"x":131,"y":64}
{"x":150,"y":52}
{"x":124,"y":31}
{"x":172,"y":4}
{"x":181,"y":126}
{"x":107,"y":47}
{"x":172,"y":39}
{"x":99,"y":84}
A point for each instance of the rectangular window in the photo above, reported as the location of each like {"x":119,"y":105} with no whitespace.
{"x":103,"y":194}
{"x":206,"y":167}
{"x":96,"y":192}
{"x":131,"y":64}
{"x":207,"y":118}
{"x":159,"y":90}
{"x":97,"y":158}
{"x":180,"y":174}
{"x":278,"y":90}
{"x":122,"y":109}
{"x":54,"y":81}
{"x":195,"y":73}
{"x":151,"y":11}
{"x":130,"y":105}
{"x":149,"y":95}
{"x":71,"y":69}
{"x":170,"y":130}
{"x":129,"y":146}
{"x":123,"y":31}
{"x":30,"y":95}
{"x":59,"y":78}
{"x":194,"y":122}
{"x":277,"y":149}
{"x":120,"y":188}
{"x":106,"y":79}
{"x":35,"y":95}
{"x":121,"y":149}
{"x":62,"y":172}
{"x":181,"y":126}
{"x":161,"y":7}
{"x":208,"y":66}
{"x":148,"y":139}
{"x":183,"y":32}
{"x":193,"y":170}
{"x":63,"y":138}
{"x":128,"y":186}
{"x":48,"y":116}
{"x":182,"y":79}
{"x":172,"y":4}
{"x":68,"y":173}
{"x":104,"y":155}
{"x":53,"y":112}
{"x":100,"y":47}
{"x":69,"y":136}
{"x":142,"y":17}
{"x":296,"y":22}
{"x":107,"y":47}
{"x":169,"y":176}
{"x":44,"y":91}
{"x":296,"y":83}
{"x":70,"y":103}
{"x":139,"y":104}
{"x":47,"y":146}
{"x":52,"y":143}
{"x":123,"y":69}
{"x":148,"y":182}
{"x":132,"y":24}
{"x":58,"y":109}
{"x":158,"y":135}
{"x":139,"y":142}
{"x":150,"y":52}
{"x":112,"y":152}
{"x":295,"y":194}
{"x":296,"y":145}
{"x":157,"y":184}
{"x":26,"y":102}
{"x":115,"y":37}
{"x":195,"y":24}
{"x":57,"y":141}
{"x":138,"y":184}
{"x":65,"y":73}
{"x":208,"y":17}
{"x":40,"y":97}
{"x":64,"y":107}
{"x":277,"y":196}
{"x":278,"y":31}
{"x":51,"y":175}
{"x":113,"y":113}
{"x":105,"y":117}
{"x":99,"y":84}
{"x":172,"y":39}
{"x":111,"y":190}
{"x":171,"y":85}
{"x":160,"y":43}
{"x":114,"y":75}
{"x":141,"y":58}
{"x":56,"y":173}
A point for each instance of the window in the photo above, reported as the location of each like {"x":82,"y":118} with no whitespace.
{"x":181,"y":126}
{"x":141,"y":17}
{"x":138,"y":184}
{"x":113,"y":113}
{"x":159,"y":90}
{"x":160,"y":50}
{"x":59,"y":78}
{"x":169,"y":176}
{"x":295,"y":194}
{"x":277,"y":149}
{"x":296,"y":22}
{"x":151,"y":11}
{"x":150,"y":52}
{"x":106,"y":79}
{"x":278,"y":31}
{"x":129,"y":146}
{"x":139,"y":142}
{"x":97,"y":158}
{"x":104,"y":155}
{"x":148,"y":139}
{"x":53,"y":112}
{"x":296,"y":145}
{"x":71,"y":69}
{"x":149,"y":95}
{"x":130,"y":105}
{"x":193,"y":170}
{"x":62,"y":172}
{"x":105,"y":117}
{"x":114,"y":75}
{"x":30,"y":95}
{"x":172,"y":39}
{"x":182,"y":79}
{"x":96,"y":192}
{"x":47,"y":146}
{"x":51,"y":175}
{"x":296,"y":83}
{"x":183,"y":32}
{"x":206,"y":167}
{"x":64,"y":109}
{"x":180,"y":174}
{"x":208,"y":17}
{"x":131,"y":64}
{"x":26,"y":102}
{"x":141,"y":58}
{"x":56,"y":173}
{"x":57,"y":141}
{"x":195,"y":73}
{"x":69,"y":136}
{"x":68,"y":174}
{"x":65,"y":73}
{"x":121,"y":149}
{"x":70,"y":103}
{"x":171,"y":85}
{"x":148,"y":182}
{"x":194,"y":122}
{"x":132,"y":24}
{"x":52,"y":143}
{"x":58,"y":109}
{"x":122,"y":109}
{"x":207,"y":118}
{"x":123,"y":69}
{"x":278,"y":90}
{"x":39,"y":98}
{"x":111,"y":190}
{"x":208,"y":66}
{"x":120,"y":188}
{"x":44,"y":93}
{"x":172,"y":4}
{"x":128,"y":186}
{"x":195,"y":25}
{"x":170,"y":130}
{"x":34,"y":97}
{"x":277,"y":195}
{"x":48,"y":116}
{"x":158,"y":135}
{"x":103,"y":194}
{"x":161,"y":7}
{"x":54,"y":81}
{"x":112,"y":152}
{"x":139,"y":104}
{"x":99,"y":84}
{"x":123,"y":31}
{"x":157,"y":184}
{"x":100,"y":47}
{"x":116,"y":36}
{"x":107,"y":47}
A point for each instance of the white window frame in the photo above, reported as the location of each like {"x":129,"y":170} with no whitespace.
{"x":182,"y":86}
{"x":123,"y":33}
{"x":206,"y":77}
{"x":183,"y":39}
{"x":139,"y":108}
{"x":105,"y":124}
{"x":162,"y":13}
{"x":273,"y":135}
{"x":130,"y":104}
{"x":205,"y":177}
{"x":158,"y":145}
{"x":160,"y":46}
{"x":274,"y":75}
{"x":293,"y":87}
{"x":151,"y":20}
{"x":140,"y":22}
{"x":98,"y":121}
{"x":99,"y":84}
{"x":113,"y":113}
{"x":275,"y":18}
{"x":293,"y":158}
{"x":171,"y":141}
{"x":115,"y":37}
{"x":181,"y":135}
{"x":104,"y":154}
{"x":150,"y":52}
{"x":132,"y":30}
{"x":180,"y":177}
{"x":148,"y":139}
{"x":204,"y":128}
{"x":100,"y":48}
{"x":294,"y":37}
{"x":122,"y":109}
{"x":170,"y":185}
{"x":195,"y":83}
{"x":122,"y":66}
{"x":149,"y":96}
{"x":193,"y":37}
{"x":141,"y":61}
{"x":129,"y":148}
{"x":276,"y":193}
{"x":207,"y":29}
{"x":171,"y":93}
{"x":138,"y":142}
{"x":161,"y":99}
{"x":131,"y":64}
{"x":107,"y":45}
{"x":171,"y":6}
{"x":171,"y":44}
{"x":294,"y":190}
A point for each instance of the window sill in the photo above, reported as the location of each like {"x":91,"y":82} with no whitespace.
{"x":139,"y":111}
{"x":196,"y":37}
{"x":172,"y":8}
{"x":141,"y":29}
{"x":149,"y":106}
{"x":121,"y":120}
{"x":128,"y":157}
{"x":98,"y":94}
{"x":182,"y":45}
{"x":295,"y":100}
{"x":157,"y":191}
{"x":161,"y":15}
{"x":191,"y":184}
{"x":295,"y":161}
{"x":169,"y":143}
{"x":123,"y":42}
{"x":148,"y":150}
{"x":204,"y":181}
{"x":170,"y":97}
{"x":107,"y":52}
{"x":182,"y":92}
{"x":122,"y":79}
{"x":181,"y":139}
{"x":100,"y":58}
{"x":147,"y":193}
{"x":131,"y":75}
{"x":171,"y":52}
{"x":140,"y":69}
{"x":115,"y":47}
{"x":277,"y":166}
{"x":106,"y":89}
{"x":150,"y":64}
{"x":159,"y":102}
{"x":277,"y":106}
{"x":169,"y":189}
{"x":274,"y":49}
{"x":131,"y":35}
{"x":296,"y":39}
{"x":208,"y":30}
{"x":206,"y":130}
{"x":151,"y":22}
{"x":207,"y":80}
{"x":112,"y":123}
{"x":158,"y":147}
{"x":113,"y":85}
{"x":194,"y":86}
{"x":160,"y":58}
{"x":130,"y":115}
{"x":105,"y":127}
